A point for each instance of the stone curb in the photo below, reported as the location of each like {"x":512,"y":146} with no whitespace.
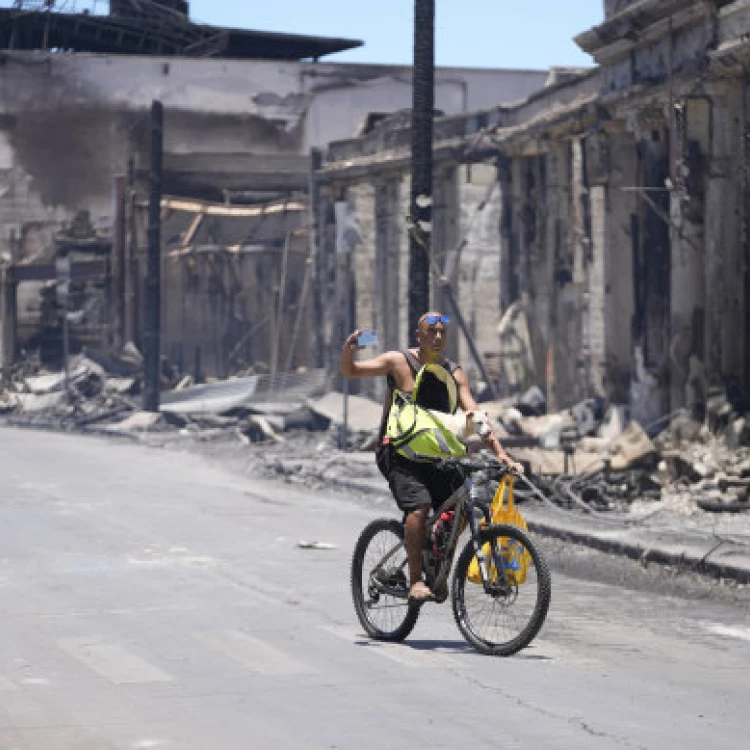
{"x":686,"y":552}
{"x":56,"y":427}
{"x":673,"y":552}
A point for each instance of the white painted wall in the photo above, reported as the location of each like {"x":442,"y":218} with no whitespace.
{"x":334,"y":97}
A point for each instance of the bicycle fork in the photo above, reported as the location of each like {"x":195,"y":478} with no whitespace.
{"x":482,"y":558}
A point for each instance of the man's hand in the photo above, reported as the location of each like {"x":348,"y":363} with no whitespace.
{"x":382,"y":364}
{"x":514,"y":466}
{"x":351,"y":341}
{"x":479,"y":422}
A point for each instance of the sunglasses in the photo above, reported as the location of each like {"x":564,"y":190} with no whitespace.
{"x":432,"y":319}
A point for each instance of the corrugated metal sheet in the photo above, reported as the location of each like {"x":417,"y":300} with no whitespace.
{"x":226,"y":395}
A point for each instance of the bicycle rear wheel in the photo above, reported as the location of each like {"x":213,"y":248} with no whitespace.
{"x":380,"y":586}
{"x":504,"y":618}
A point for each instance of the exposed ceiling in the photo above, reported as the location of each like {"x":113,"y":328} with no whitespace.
{"x":151,"y":28}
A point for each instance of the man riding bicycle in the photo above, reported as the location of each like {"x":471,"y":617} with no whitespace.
{"x":417,"y":486}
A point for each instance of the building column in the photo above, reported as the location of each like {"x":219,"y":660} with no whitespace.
{"x":509,"y":283}
{"x":362,"y":201}
{"x":597,"y":292}
{"x":567,"y":337}
{"x":327,"y":281}
{"x":688,"y":263}
{"x":622,"y":201}
{"x":389,"y":289}
{"x":724,"y":268}
{"x":445,"y":221}
{"x":597,"y":259}
{"x":557,"y":201}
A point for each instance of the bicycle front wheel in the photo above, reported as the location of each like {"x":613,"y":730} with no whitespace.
{"x":506,"y":615}
{"x":380,"y":584}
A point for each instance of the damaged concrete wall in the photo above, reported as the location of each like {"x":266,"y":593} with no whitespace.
{"x":67,"y":122}
{"x":223,"y":317}
{"x":620,"y":224}
{"x":355,"y":90}
{"x":233,"y":280}
{"x":476,"y":269}
{"x":621,"y":206}
{"x":26,"y":223}
{"x":725,"y":304}
{"x":687,"y":213}
{"x":234,"y":130}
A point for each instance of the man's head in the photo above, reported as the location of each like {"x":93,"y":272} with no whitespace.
{"x":432,"y":332}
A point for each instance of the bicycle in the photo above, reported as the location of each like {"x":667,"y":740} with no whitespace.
{"x":498,"y":614}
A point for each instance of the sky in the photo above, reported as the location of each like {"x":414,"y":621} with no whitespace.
{"x":524,"y":34}
{"x":468,"y":33}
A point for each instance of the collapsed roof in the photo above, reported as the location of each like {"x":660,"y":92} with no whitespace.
{"x":150,"y":27}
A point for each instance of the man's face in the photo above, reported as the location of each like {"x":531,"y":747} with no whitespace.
{"x":432,"y":333}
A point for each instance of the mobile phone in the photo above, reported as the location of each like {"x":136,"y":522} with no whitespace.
{"x":368,"y":337}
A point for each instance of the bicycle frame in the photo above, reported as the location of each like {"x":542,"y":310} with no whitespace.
{"x":464,"y":500}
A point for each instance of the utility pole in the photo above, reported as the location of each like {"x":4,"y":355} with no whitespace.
{"x":420,"y":208}
{"x":152,"y":317}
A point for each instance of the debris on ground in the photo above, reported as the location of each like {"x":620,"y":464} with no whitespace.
{"x":315,"y":545}
{"x":593,"y":456}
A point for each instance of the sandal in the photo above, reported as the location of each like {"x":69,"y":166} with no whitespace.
{"x":419,"y":593}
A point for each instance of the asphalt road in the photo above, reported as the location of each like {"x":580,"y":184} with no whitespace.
{"x":153,"y":599}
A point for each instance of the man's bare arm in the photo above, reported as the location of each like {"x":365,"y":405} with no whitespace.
{"x":470,"y":406}
{"x":383,"y":364}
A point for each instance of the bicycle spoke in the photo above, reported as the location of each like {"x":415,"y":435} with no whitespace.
{"x":379,"y":568}
{"x":506,"y":616}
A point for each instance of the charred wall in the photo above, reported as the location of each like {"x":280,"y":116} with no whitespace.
{"x":620,"y":242}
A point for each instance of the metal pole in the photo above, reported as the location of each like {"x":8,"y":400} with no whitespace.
{"x":66,"y":349}
{"x":280,"y":307}
{"x":129,"y":264}
{"x":421,"y":156}
{"x":153,"y":278}
{"x":318,"y":356}
{"x":62,"y":272}
{"x":347,"y":303}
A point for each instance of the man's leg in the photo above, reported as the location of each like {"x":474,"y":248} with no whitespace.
{"x":414,"y":540}
{"x":413,"y":498}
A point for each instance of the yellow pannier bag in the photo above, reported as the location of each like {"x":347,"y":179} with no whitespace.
{"x":515,"y":556}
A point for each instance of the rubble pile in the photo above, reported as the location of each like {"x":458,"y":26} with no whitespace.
{"x":86,"y":395}
{"x":591,"y":457}
{"x":595,"y":458}
{"x":104,"y":395}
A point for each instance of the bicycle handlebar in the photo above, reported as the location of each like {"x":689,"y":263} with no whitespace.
{"x":471,"y":466}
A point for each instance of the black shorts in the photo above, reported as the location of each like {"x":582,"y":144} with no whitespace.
{"x":416,"y":485}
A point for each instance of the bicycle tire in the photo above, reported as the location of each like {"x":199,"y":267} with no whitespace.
{"x":404,"y":613}
{"x":537,"y":590}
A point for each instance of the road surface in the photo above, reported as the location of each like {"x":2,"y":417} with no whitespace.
{"x":153,"y":599}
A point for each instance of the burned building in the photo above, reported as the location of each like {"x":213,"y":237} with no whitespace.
{"x":596,"y":233}
{"x":243,"y":109}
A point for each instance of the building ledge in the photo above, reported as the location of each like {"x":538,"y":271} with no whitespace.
{"x":393,"y":135}
{"x":643,"y":22}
